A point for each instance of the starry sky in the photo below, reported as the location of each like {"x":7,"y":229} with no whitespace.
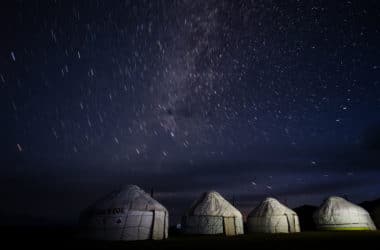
{"x":250,"y":98}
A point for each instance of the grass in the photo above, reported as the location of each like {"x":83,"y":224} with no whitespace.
{"x":66,"y":239}
{"x":347,"y":229}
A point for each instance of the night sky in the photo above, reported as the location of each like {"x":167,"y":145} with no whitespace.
{"x":248,"y":98}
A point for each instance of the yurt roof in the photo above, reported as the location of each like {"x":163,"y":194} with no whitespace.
{"x":337,"y":204}
{"x":213,"y":204}
{"x":128,"y":197}
{"x":270,"y":207}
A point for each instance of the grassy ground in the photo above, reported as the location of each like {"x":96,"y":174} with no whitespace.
{"x":66,"y":239}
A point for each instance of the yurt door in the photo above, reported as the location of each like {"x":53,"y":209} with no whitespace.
{"x":159,"y":223}
{"x":291,"y":223}
{"x":229,"y":226}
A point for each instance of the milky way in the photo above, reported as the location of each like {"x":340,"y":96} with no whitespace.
{"x":251,"y":98}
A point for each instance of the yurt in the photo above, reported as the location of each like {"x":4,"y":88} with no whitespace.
{"x":212,"y":214}
{"x":336,"y":213}
{"x":125,"y":214}
{"x":270,"y":216}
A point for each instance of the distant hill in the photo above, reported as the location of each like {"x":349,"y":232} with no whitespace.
{"x":373,"y":207}
{"x":369,"y":205}
{"x":305,"y":215}
{"x":25,"y":220}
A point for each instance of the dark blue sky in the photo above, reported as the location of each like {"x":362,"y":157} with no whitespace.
{"x":250,"y":98}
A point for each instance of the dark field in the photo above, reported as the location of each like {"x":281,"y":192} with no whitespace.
{"x":66,"y":239}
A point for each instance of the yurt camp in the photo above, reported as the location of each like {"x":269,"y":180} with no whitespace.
{"x":270,"y":216}
{"x":336,"y":213}
{"x":125,"y":214}
{"x":212,"y":214}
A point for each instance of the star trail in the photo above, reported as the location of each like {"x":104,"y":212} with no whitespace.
{"x":249,"y":98}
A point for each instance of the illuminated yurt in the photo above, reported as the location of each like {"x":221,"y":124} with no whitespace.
{"x":212,"y":214}
{"x":125,"y":214}
{"x":336,"y":213}
{"x":270,"y":216}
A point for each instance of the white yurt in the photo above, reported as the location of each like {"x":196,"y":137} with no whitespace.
{"x":270,"y":216}
{"x":125,"y":214}
{"x":336,"y":213}
{"x":212,"y":214}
